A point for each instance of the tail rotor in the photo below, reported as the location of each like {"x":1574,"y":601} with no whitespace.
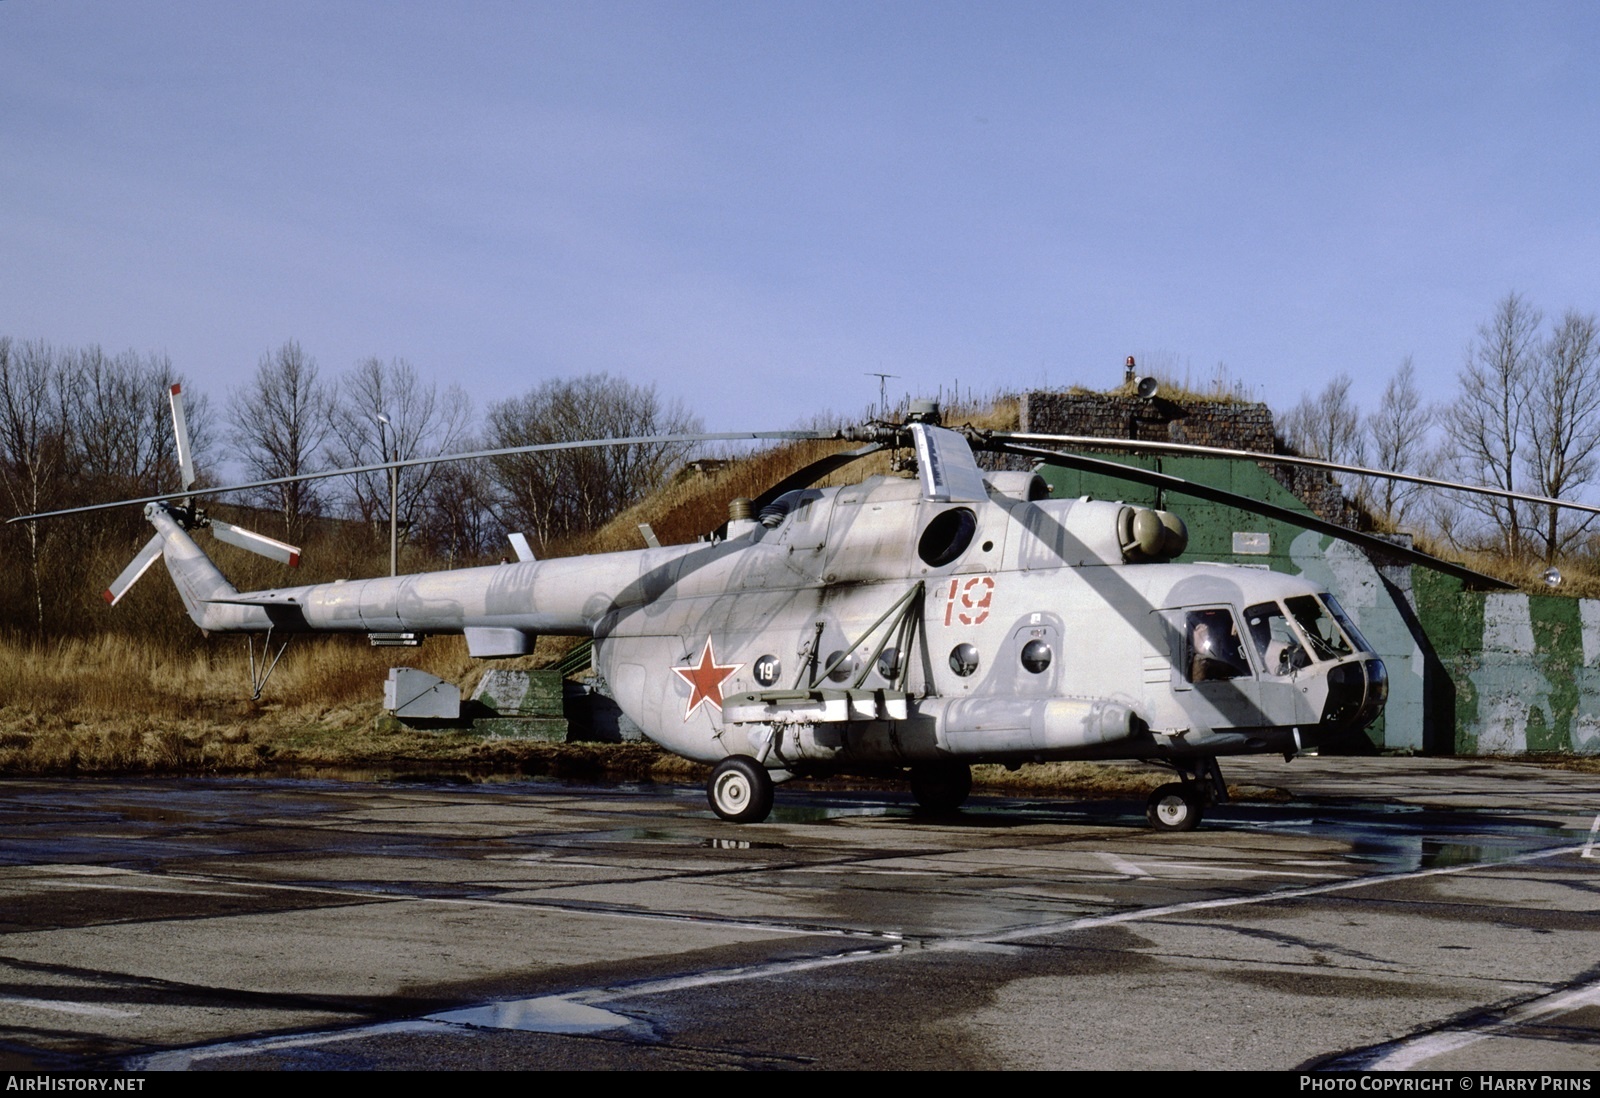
{"x":189,"y":517}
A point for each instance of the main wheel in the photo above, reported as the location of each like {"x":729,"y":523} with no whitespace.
{"x":941,"y":787}
{"x":1176,"y":806}
{"x":740,"y":789}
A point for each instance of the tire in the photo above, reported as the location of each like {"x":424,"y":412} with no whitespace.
{"x":1175,"y":806}
{"x":740,"y":790}
{"x":941,"y":787}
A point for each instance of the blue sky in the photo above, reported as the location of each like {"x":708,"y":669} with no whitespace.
{"x":752,"y":205}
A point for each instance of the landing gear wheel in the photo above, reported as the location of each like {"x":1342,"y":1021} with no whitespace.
{"x":740,"y":790}
{"x":1176,"y":806}
{"x":941,"y":787}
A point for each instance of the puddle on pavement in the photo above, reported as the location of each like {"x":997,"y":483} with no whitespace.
{"x":548,"y":1014}
{"x":817,"y":813}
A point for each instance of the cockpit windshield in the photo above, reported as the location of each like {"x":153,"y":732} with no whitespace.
{"x":1346,"y":624}
{"x":1280,"y":647}
{"x":1320,"y":629}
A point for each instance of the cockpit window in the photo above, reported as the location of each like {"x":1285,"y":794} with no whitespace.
{"x":1345,"y":623}
{"x":1280,"y":647}
{"x":1327,"y":642}
{"x":1214,"y":649}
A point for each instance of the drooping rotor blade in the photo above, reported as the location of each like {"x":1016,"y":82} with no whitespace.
{"x":1170,"y":483}
{"x":440,"y":459}
{"x":180,"y":430}
{"x":810,"y":474}
{"x":945,"y":466}
{"x":271,"y":548}
{"x":1288,"y":459}
{"x":137,"y":567}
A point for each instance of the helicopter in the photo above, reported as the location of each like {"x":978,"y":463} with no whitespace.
{"x":904,"y":627}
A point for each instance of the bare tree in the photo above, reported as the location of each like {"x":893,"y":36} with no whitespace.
{"x":121,"y":421}
{"x":1488,"y":421}
{"x":1398,"y":431}
{"x":556,"y":493}
{"x":1327,"y":425}
{"x":1563,"y":423}
{"x":458,"y":515}
{"x":280,"y":422}
{"x":385,"y":411}
{"x":33,"y":449}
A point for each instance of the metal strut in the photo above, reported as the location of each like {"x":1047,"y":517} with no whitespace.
{"x":907,"y":612}
{"x":260,"y":673}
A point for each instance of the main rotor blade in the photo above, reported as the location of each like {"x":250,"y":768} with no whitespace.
{"x":180,"y":430}
{"x":440,"y":459}
{"x":810,"y":474}
{"x":1289,"y":459}
{"x":137,"y":567}
{"x":271,"y":548}
{"x":1244,"y":503}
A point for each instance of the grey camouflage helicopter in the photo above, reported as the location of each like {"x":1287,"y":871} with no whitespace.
{"x":895,"y":626}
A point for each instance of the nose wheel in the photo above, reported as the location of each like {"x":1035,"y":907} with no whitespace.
{"x":740,"y":790}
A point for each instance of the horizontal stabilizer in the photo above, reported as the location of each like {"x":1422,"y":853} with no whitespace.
{"x":137,"y":567}
{"x":256,"y":543}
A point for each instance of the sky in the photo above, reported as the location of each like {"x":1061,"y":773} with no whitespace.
{"x":755,"y":205}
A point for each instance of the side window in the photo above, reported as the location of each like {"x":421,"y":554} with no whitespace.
{"x":1214,"y":650}
{"x":1276,"y":642}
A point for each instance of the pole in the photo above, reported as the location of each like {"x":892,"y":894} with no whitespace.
{"x":394,"y":516}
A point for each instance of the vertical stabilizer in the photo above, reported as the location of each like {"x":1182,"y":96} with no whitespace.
{"x":193,"y":574}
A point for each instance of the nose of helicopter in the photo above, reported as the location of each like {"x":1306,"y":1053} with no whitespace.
{"x":1357,"y":690}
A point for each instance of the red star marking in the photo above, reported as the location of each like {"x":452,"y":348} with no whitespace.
{"x":705,"y":680}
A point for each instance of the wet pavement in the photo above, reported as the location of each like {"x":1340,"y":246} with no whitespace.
{"x":1399,"y":913}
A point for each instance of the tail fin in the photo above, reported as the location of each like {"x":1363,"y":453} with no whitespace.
{"x":198,"y":580}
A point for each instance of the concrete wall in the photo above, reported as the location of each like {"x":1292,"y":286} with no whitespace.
{"x":1524,"y":669}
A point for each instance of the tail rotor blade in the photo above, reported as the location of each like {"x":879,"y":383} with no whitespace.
{"x":271,"y":548}
{"x":180,"y":428}
{"x":137,"y":567}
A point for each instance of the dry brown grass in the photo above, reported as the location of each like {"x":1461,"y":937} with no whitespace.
{"x":108,"y":705}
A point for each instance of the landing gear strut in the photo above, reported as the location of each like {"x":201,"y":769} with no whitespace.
{"x":740,"y":790}
{"x":1178,"y":806}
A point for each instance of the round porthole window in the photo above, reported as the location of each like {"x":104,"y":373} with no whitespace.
{"x":845,"y":670}
{"x":1036,"y":656}
{"x":889,"y":663}
{"x":964,"y":659}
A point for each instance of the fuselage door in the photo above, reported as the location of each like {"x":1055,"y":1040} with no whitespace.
{"x":1213,"y":678}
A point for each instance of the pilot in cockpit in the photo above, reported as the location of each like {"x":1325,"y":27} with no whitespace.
{"x":1215,"y":652}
